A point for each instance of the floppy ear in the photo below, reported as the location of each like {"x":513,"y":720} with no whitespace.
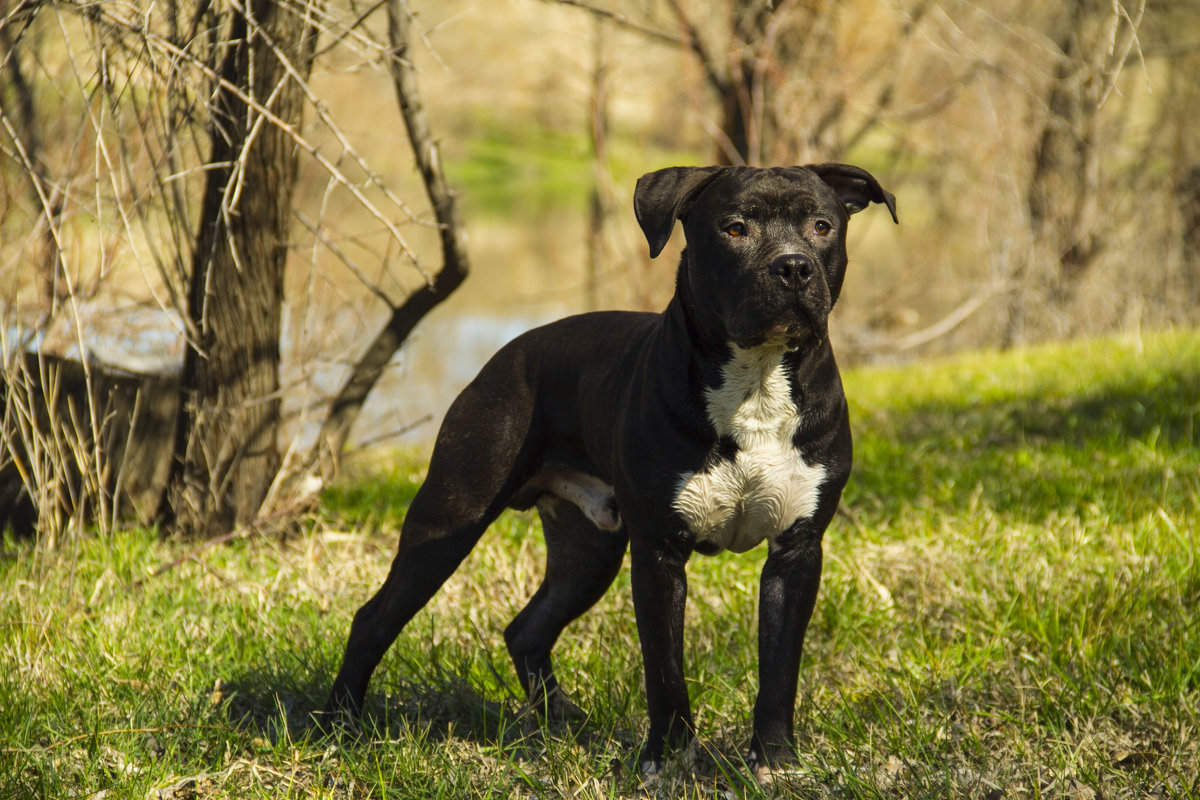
{"x":664,"y":196}
{"x":857,"y":187}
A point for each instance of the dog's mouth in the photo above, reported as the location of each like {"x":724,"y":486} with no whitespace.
{"x":793,"y":319}
{"x":799,"y":328}
{"x":790,"y":335}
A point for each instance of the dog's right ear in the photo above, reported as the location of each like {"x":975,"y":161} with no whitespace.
{"x":664,"y":196}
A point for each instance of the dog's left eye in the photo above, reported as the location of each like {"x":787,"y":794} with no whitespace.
{"x":736,"y":229}
{"x":822,"y":228}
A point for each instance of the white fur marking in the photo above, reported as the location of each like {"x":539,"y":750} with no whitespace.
{"x":767,"y":486}
{"x":593,"y":496}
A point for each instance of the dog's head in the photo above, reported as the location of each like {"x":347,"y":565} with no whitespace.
{"x":766,"y":248}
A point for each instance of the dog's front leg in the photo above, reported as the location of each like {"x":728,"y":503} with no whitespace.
{"x":659,"y":595}
{"x":787,"y":593}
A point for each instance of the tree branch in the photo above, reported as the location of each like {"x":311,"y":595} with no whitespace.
{"x":624,"y":21}
{"x":719,"y":82}
{"x":455,"y":263}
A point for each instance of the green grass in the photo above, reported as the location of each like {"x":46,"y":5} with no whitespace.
{"x":1009,"y":609}
{"x":521,"y":169}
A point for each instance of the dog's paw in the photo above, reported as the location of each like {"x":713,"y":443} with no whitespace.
{"x":336,"y":722}
{"x":769,"y":772}
{"x":555,"y":708}
{"x":686,"y":757}
{"x":648,"y":761}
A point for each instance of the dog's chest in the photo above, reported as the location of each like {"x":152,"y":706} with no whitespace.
{"x":737,"y":502}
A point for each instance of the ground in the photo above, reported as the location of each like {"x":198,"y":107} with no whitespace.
{"x":1008,"y":609}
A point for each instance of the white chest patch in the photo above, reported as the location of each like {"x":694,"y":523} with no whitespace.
{"x":735,"y":504}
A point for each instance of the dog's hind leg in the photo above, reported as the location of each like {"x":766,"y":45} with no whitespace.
{"x":426,"y":558}
{"x":470,"y":480}
{"x":581,"y":563}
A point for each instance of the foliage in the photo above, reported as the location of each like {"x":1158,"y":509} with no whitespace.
{"x":1007,"y":610}
{"x":519,"y":170}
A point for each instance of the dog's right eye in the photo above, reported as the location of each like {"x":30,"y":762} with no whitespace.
{"x":736,"y":229}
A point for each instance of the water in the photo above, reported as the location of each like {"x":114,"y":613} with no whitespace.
{"x":442,"y":355}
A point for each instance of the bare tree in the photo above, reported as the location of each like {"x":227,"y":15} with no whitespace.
{"x":194,"y":116}
{"x":736,"y":57}
{"x":225,"y":447}
{"x":736,"y":72}
{"x":1093,"y":41}
{"x":1173,"y":38}
{"x":601,"y":200}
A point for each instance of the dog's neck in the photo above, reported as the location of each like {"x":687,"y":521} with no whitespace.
{"x":705,"y":329}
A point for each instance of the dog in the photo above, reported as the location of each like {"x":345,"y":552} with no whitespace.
{"x":715,"y":425}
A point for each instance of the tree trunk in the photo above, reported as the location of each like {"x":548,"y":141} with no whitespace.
{"x":226,"y":455}
{"x":44,"y":193}
{"x":600,"y":200}
{"x":1187,"y":196}
{"x":1063,"y":188}
{"x":742,"y":101}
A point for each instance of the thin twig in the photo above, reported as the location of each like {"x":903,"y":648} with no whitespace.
{"x":952,"y":320}
{"x":624,"y":21}
{"x":345,"y":408}
{"x":268,"y":115}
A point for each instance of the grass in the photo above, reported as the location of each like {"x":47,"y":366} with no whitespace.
{"x":517,"y":169}
{"x":1009,"y":610}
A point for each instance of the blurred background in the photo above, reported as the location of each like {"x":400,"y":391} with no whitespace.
{"x":1044,"y":157}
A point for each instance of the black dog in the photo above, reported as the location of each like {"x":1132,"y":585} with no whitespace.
{"x":715,"y":425}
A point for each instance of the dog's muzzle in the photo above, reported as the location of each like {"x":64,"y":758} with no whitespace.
{"x":800,"y":299}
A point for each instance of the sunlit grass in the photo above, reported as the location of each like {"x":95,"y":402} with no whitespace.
{"x":1008,"y":609}
{"x":515,"y":169}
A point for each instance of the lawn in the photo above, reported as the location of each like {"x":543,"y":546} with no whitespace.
{"x":1008,"y":610}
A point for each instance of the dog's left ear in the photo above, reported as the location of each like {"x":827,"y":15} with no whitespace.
{"x":857,"y":187}
{"x":664,"y":196}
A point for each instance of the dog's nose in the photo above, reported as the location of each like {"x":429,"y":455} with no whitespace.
{"x":793,"y":269}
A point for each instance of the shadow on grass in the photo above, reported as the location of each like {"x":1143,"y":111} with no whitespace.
{"x":1129,"y":446}
{"x":434,"y":709}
